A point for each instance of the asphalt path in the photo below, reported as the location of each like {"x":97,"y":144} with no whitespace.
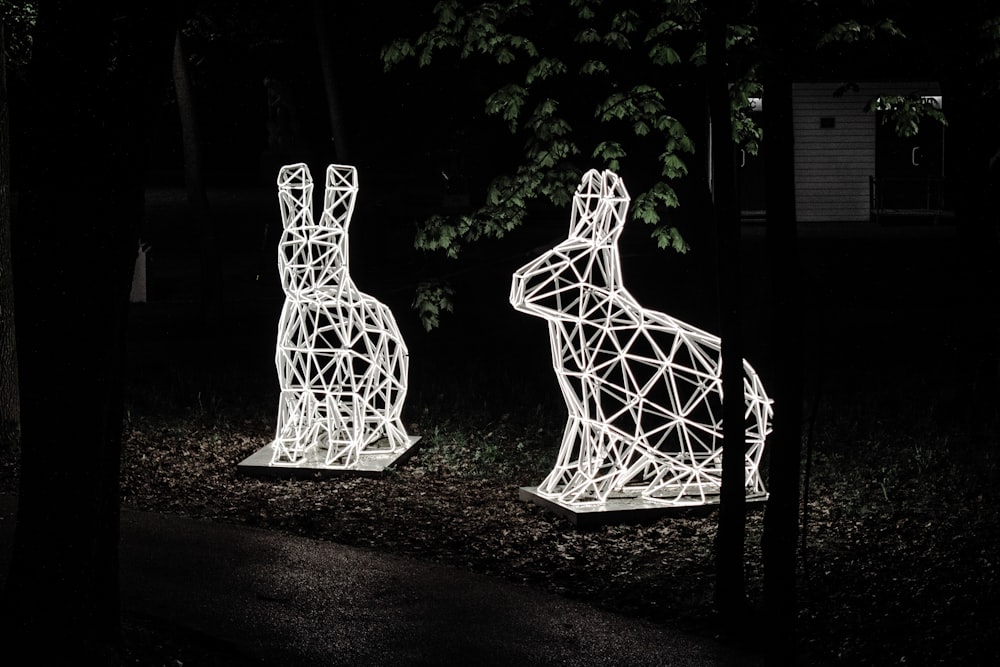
{"x":299,"y":602}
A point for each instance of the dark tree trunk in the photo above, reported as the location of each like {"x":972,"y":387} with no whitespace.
{"x":785,"y":382}
{"x":781,"y":514}
{"x":79,"y":173}
{"x":327,"y":61}
{"x":975,"y":168}
{"x":731,"y":588}
{"x":194,"y":182}
{"x":10,"y":402}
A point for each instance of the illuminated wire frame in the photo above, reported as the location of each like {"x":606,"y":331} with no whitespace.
{"x":644,"y":390}
{"x":341,"y":361}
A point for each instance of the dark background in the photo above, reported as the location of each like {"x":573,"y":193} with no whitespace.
{"x":895,"y":320}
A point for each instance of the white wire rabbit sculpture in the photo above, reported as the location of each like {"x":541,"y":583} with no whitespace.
{"x":643,"y":390}
{"x":341,"y":361}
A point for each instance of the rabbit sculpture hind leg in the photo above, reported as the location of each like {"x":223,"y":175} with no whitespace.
{"x":383,"y":382}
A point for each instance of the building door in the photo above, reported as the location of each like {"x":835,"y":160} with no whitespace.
{"x":750,"y":174}
{"x":909,"y":171}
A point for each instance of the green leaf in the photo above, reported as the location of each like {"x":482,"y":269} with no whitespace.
{"x":524,"y":44}
{"x":661,"y":54}
{"x":616,"y":106}
{"x":625,"y":21}
{"x":673,"y":165}
{"x":850,"y":32}
{"x":644,"y":208}
{"x":543,"y":69}
{"x":507,"y":103}
{"x":617,"y":40}
{"x":504,"y":56}
{"x":608,"y":150}
{"x":698,"y":56}
{"x":445,"y":10}
{"x":395,"y":53}
{"x":593,"y":67}
{"x":670,"y":237}
{"x":438,"y":233}
{"x":430,"y":300}
{"x":585,"y":8}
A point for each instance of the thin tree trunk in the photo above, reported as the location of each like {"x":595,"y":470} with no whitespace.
{"x":976,"y":160}
{"x":10,"y":401}
{"x":785,"y":384}
{"x":731,"y":585}
{"x":194,"y":182}
{"x":327,"y":62}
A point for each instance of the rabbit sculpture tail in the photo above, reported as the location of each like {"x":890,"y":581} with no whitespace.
{"x":643,"y":390}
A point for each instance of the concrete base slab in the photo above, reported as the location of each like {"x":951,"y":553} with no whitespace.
{"x":375,"y":464}
{"x":625,"y":509}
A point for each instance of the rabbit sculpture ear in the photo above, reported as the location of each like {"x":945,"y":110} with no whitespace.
{"x":586,"y":203}
{"x":339,"y":195}
{"x":295,"y":192}
{"x":342,"y":176}
{"x":615,"y":199}
{"x":294,"y":176}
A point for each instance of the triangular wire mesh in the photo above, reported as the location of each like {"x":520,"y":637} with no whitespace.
{"x":643,"y":389}
{"x":341,"y":361}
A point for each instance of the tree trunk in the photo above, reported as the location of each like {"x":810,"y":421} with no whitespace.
{"x":327,"y":62}
{"x":785,"y":383}
{"x":194,"y":182}
{"x":76,"y":234}
{"x":975,"y":174}
{"x":10,"y":402}
{"x":730,"y":586}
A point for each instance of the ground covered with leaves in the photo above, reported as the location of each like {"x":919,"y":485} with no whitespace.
{"x":899,"y":561}
{"x":900,"y":522}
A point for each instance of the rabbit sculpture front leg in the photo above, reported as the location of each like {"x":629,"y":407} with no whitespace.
{"x":643,"y":390}
{"x":341,"y":360}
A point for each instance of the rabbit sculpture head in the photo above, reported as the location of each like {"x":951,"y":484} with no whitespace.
{"x":315,"y":255}
{"x":585,"y":268}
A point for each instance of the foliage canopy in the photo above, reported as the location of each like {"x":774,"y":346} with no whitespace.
{"x":580,"y":82}
{"x":585,"y":83}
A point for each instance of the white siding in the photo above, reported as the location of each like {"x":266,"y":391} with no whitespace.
{"x":833,"y":164}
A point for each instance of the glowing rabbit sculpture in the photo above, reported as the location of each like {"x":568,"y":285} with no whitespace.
{"x":644,"y":390}
{"x":341,"y":361}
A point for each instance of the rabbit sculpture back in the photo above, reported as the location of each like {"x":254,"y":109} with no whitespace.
{"x":643,"y":390}
{"x":341,"y":361}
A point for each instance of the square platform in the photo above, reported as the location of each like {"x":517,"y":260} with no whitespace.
{"x":628,"y":509}
{"x":376,"y":464}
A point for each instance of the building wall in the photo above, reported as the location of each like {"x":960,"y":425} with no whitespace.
{"x":835,"y":147}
